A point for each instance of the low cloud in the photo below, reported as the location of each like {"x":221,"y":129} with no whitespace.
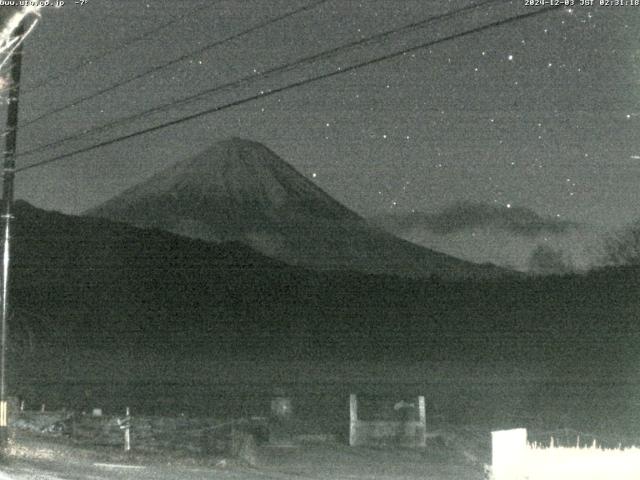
{"x":468,"y":216}
{"x":515,"y":237}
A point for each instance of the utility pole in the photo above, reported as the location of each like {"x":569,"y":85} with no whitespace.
{"x":8,"y":174}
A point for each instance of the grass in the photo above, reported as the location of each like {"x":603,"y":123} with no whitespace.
{"x":539,"y":462}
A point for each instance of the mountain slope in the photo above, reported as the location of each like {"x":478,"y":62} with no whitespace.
{"x":241,"y":191}
{"x":84,"y":284}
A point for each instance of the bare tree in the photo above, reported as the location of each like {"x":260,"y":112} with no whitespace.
{"x":623,"y":247}
{"x":545,"y":260}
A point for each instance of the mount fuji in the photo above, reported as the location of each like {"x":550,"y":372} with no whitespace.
{"x":239,"y":190}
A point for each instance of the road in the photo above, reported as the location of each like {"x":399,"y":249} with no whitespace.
{"x":38,"y":458}
{"x":61,"y":470}
{"x":401,"y":469}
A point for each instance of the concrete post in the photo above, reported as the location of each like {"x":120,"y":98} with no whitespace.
{"x":422,"y":414}
{"x":353,"y":419}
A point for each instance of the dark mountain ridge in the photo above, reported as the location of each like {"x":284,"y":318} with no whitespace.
{"x":85,"y":283}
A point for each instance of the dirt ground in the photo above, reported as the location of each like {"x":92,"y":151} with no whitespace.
{"x":41,"y":457}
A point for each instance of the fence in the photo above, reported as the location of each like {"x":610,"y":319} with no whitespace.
{"x":385,"y":422}
{"x":405,"y":431}
{"x":201,"y":435}
{"x":514,"y":458}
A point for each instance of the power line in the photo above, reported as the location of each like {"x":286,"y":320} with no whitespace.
{"x":89,"y":60}
{"x":174,"y":61}
{"x":290,"y":86}
{"x":279,"y":69}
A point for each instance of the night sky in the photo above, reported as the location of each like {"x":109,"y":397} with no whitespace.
{"x":540,"y":113}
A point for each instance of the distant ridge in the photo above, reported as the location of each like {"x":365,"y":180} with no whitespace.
{"x":239,"y":190}
{"x":87,"y":283}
